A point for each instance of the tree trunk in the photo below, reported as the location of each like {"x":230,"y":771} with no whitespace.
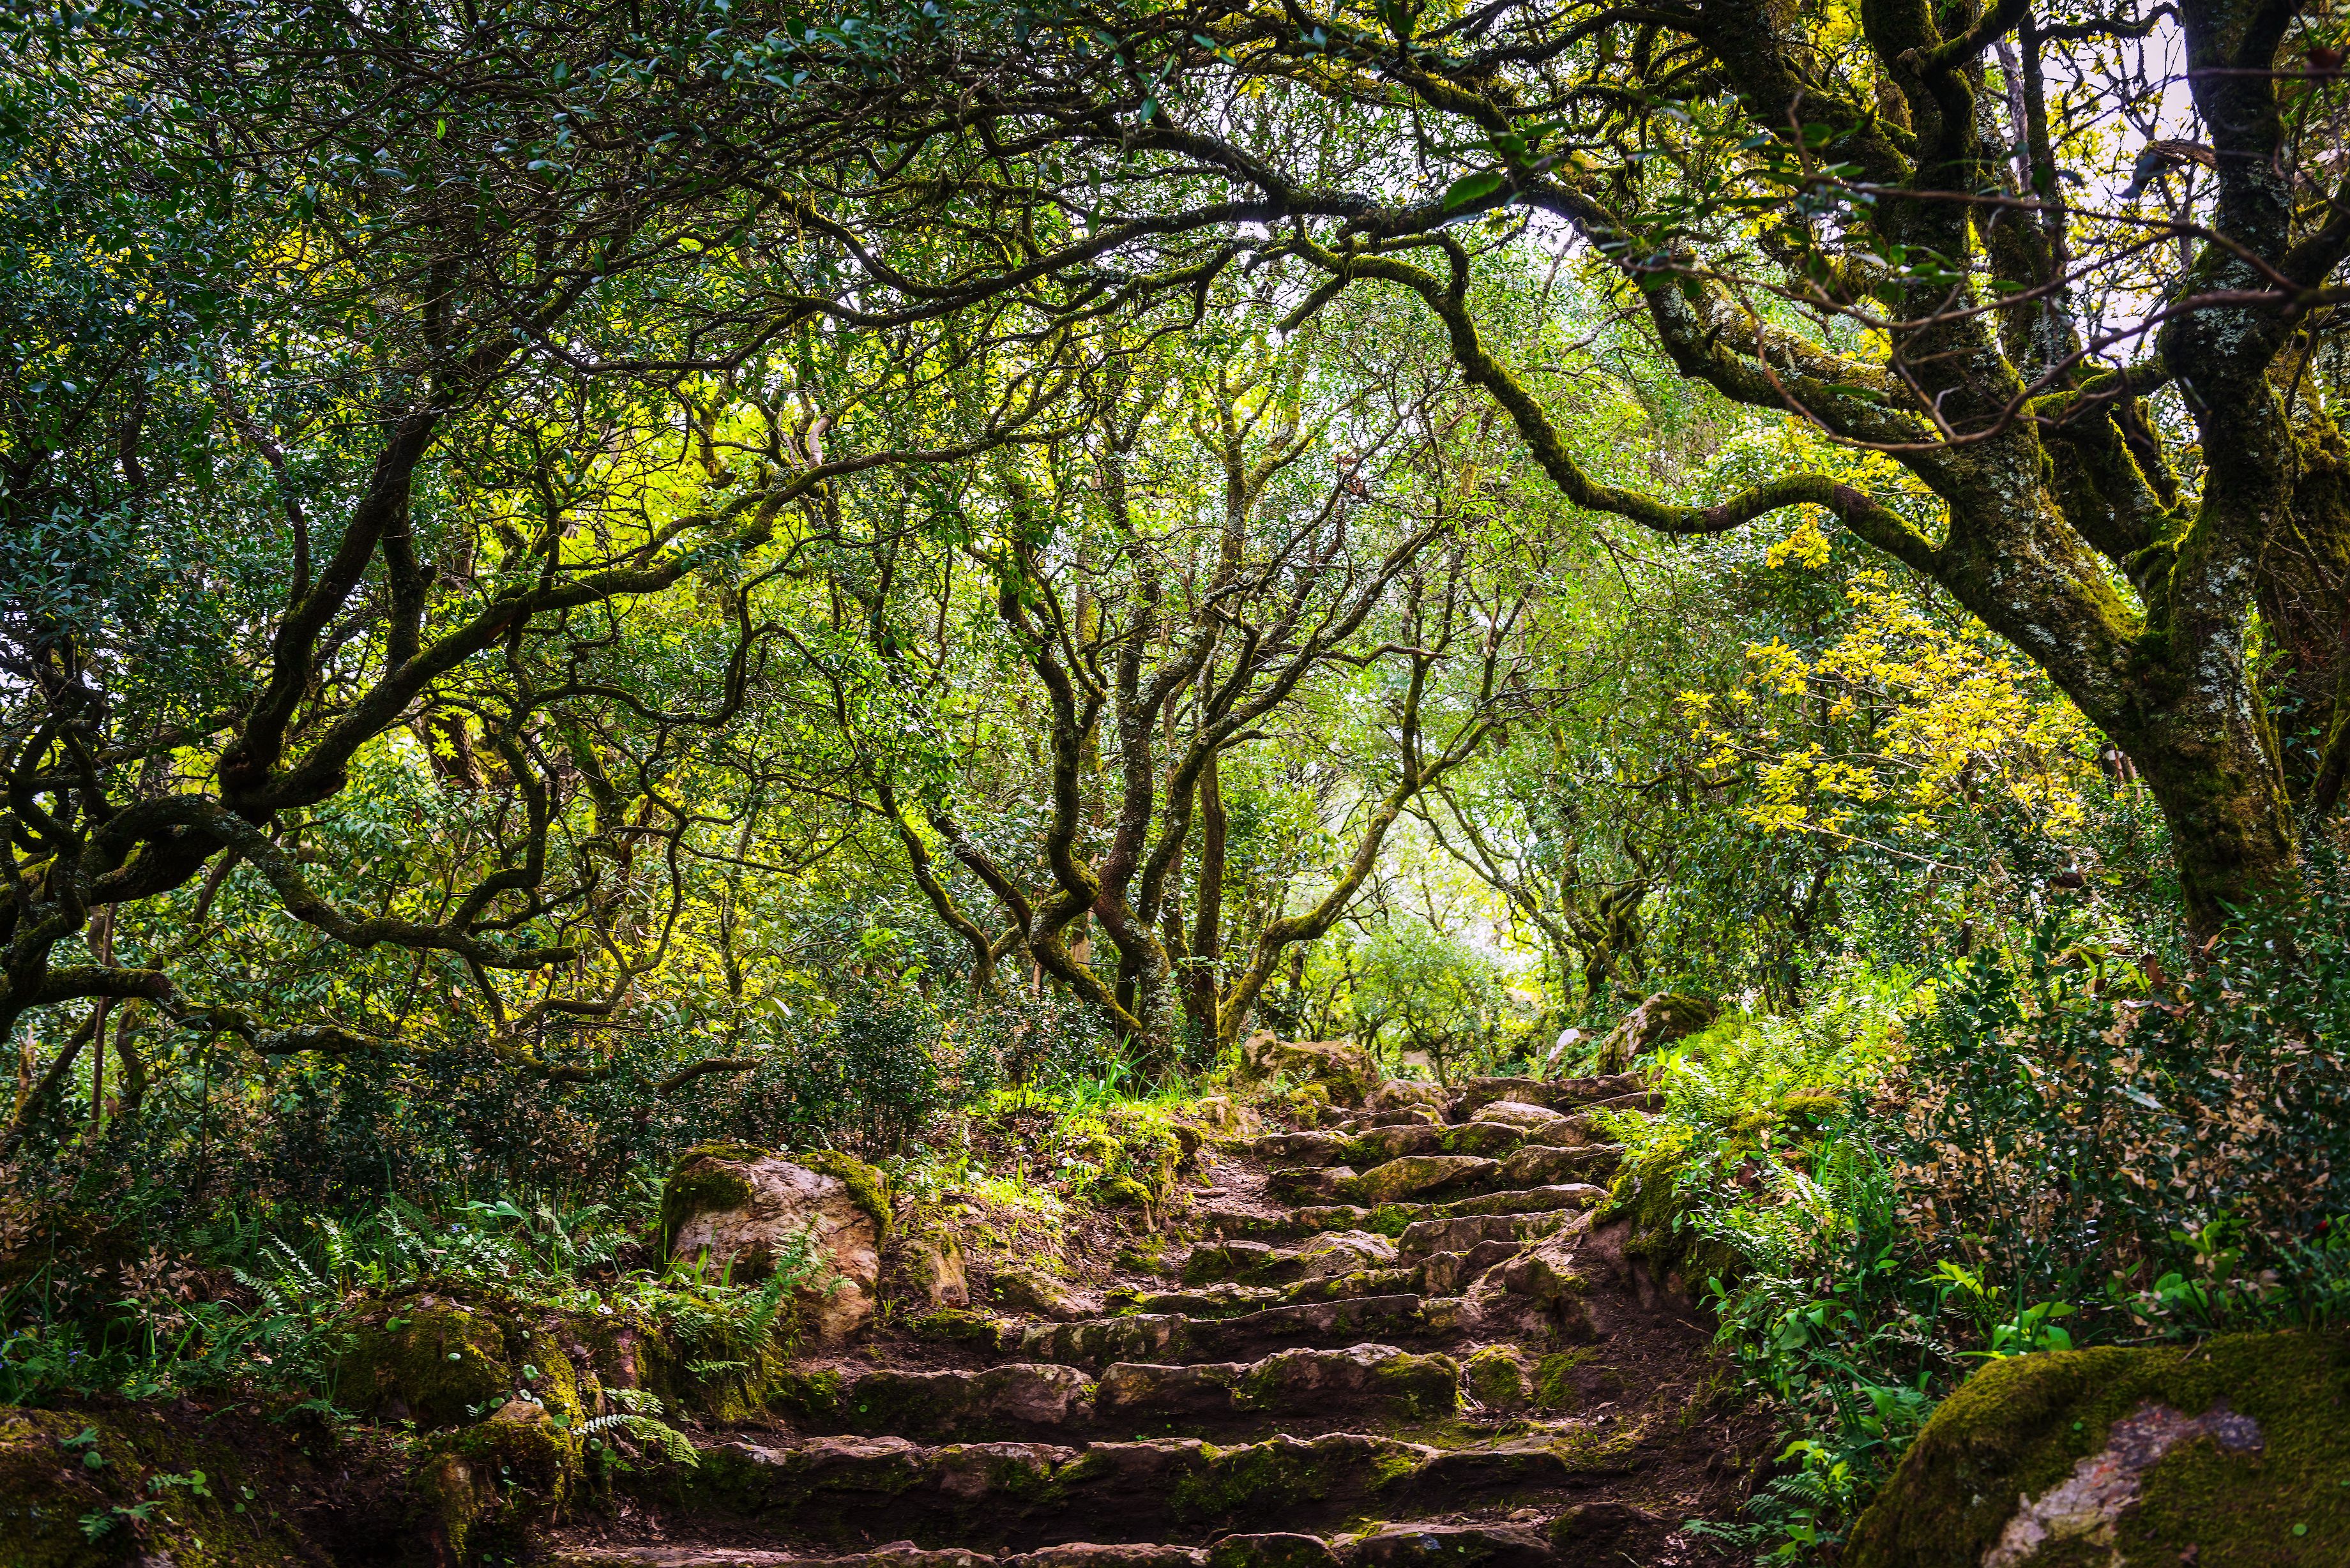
{"x":1202,"y":982}
{"x":2204,"y":759}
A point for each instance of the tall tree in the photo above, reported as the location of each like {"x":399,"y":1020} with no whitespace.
{"x":2108,"y":437}
{"x":372,"y":366}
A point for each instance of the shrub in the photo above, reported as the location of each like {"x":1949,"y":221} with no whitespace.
{"x":2078,"y":1128}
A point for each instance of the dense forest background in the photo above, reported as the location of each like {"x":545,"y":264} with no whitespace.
{"x":581,"y":580}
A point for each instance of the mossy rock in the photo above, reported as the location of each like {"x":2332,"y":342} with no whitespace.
{"x":235,"y":1490}
{"x":1307,"y":1104}
{"x":704,"y":1179}
{"x":2232,"y":1453}
{"x":545,"y":1371}
{"x":439,"y":1364}
{"x":1490,"y":1139}
{"x":960,"y":1326}
{"x":1810,"y":1108}
{"x":818,"y":1397}
{"x":1554,"y":1384}
{"x":1660,"y":1020}
{"x":484,"y":1489}
{"x":1260,"y":1480}
{"x":1419,"y":1387}
{"x":1123,"y":1190}
{"x":1415,"y":1176}
{"x":1340,"y":1068}
{"x":1646,"y":1191}
{"x":1497,"y":1378}
{"x":867,"y":1187}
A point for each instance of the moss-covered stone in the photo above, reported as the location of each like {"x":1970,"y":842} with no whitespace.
{"x":867,"y":1188}
{"x":436,"y":1362}
{"x":1344,"y":1069}
{"x":1380,"y":1144}
{"x":1646,"y":1191}
{"x":961,"y":1327}
{"x":1496,"y":1377}
{"x":1123,"y":1190}
{"x":1487,"y":1138}
{"x":1260,"y":1480}
{"x":1417,"y":1387}
{"x":486,"y":1486}
{"x":1415,"y":1176}
{"x":705,"y":1178}
{"x":2230,"y":1453}
{"x":813,"y":1396}
{"x":1660,"y":1020}
{"x":1556,"y":1386}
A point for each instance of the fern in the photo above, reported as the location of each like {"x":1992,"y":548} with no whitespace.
{"x":674,"y":1445}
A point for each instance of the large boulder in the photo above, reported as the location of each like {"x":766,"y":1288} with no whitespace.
{"x":2226,"y":1454}
{"x":1400,"y":1094}
{"x":738,"y":1211}
{"x":1660,"y":1020}
{"x":1415,"y":1176}
{"x":1341,"y":1066}
{"x":1334,"y":1252}
{"x":1518,"y":1113}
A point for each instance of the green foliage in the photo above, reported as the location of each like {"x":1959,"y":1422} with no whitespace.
{"x":1418,"y":987}
{"x":2084,"y":1128}
{"x":2062,"y":1152}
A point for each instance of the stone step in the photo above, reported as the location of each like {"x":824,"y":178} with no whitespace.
{"x":1444,"y":1275}
{"x":1422,"y":1178}
{"x":1556,"y":1094}
{"x":1226,"y":1299}
{"x":1484,"y":1137}
{"x":1331,"y":1254}
{"x":1538,"y":1543}
{"x":998,"y":1497}
{"x":1175,"y":1337}
{"x":1376,"y":1381}
{"x":1434,"y":1179}
{"x":1298,"y":1148}
{"x":1029,"y":1400}
{"x":1428,"y":1238}
{"x":1022,"y":1399}
{"x":1435,"y":1176}
{"x":1397,"y":1116}
{"x":1229,"y":1226}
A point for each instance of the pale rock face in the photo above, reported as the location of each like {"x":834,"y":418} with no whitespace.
{"x":1397,"y":1092}
{"x":1517,"y":1114}
{"x":937,"y":1262}
{"x":785,"y":1200}
{"x":1343,"y":1067}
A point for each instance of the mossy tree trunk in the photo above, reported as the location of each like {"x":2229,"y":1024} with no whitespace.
{"x":2062,"y":517}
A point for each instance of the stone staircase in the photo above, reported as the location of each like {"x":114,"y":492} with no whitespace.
{"x":1399,"y":1340}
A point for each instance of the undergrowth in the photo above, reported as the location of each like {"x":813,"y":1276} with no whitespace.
{"x":2056,"y":1147}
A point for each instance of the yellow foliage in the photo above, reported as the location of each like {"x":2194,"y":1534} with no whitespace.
{"x":1806,"y":546}
{"x":1905,"y":710}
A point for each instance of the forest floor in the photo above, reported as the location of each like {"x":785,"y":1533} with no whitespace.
{"x":1339,"y":1344}
{"x":1411,"y":1330}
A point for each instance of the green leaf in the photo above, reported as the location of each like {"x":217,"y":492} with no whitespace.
{"x":1472,"y":188}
